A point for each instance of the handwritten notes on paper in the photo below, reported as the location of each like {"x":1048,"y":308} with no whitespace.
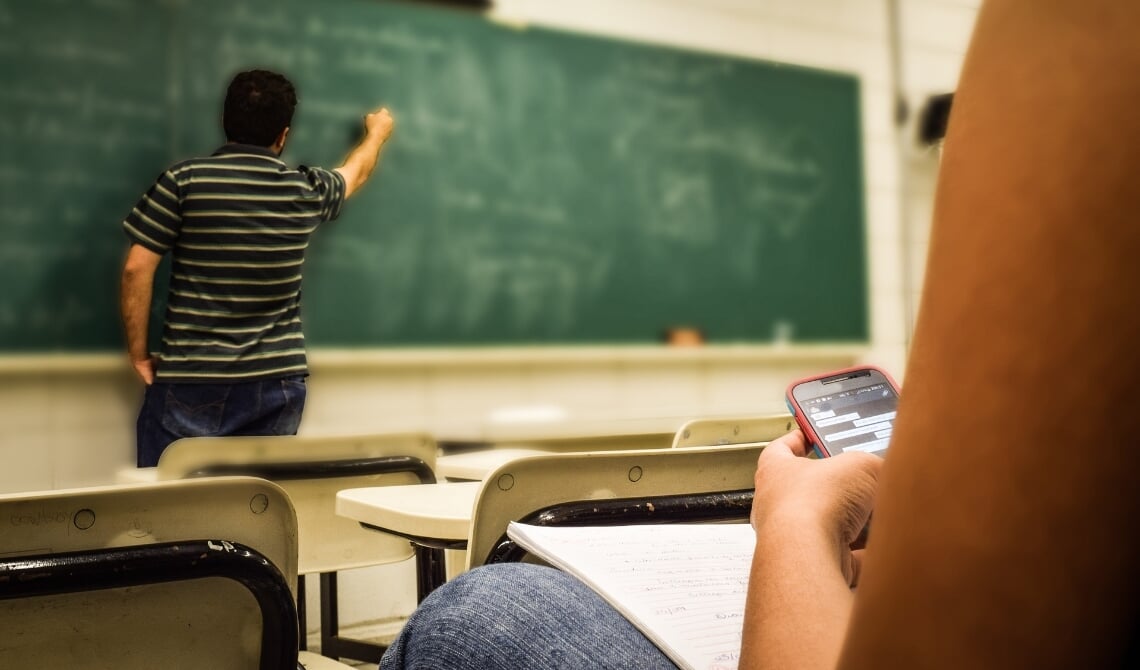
{"x":683,"y":586}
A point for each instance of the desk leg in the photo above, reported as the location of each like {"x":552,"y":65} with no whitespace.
{"x":430,"y":570}
{"x":302,"y":620}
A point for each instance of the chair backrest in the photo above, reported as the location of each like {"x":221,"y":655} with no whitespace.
{"x":311,"y":470}
{"x":521,"y":487}
{"x":164,"y":575}
{"x":619,"y":442}
{"x":732,"y":430}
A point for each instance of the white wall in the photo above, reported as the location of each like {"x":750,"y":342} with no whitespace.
{"x":933,"y":38}
{"x":60,"y":427}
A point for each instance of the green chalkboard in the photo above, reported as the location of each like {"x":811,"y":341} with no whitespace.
{"x":82,"y":124}
{"x":541,"y":186}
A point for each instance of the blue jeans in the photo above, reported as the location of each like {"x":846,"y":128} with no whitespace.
{"x":173,"y":411}
{"x":518,"y":615}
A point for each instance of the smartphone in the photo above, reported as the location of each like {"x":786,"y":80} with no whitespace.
{"x":845,"y":410}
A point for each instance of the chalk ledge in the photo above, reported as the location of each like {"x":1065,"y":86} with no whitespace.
{"x":334,"y":359}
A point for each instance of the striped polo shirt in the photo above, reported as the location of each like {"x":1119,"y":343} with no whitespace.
{"x":237,"y":225}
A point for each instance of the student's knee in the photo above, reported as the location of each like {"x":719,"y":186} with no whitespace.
{"x":493,"y":607}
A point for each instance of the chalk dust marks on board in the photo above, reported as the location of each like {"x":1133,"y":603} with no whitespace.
{"x":240,"y":37}
{"x":87,"y":101}
{"x":791,"y":179}
{"x":53,"y":320}
{"x":65,"y":40}
{"x":380,"y":59}
{"x":694,"y":126}
{"x":35,"y":113}
{"x":23,"y":305}
{"x":33,"y":128}
{"x":388,"y":271}
{"x":53,"y":98}
{"x":396,"y":36}
{"x":687,"y":153}
{"x":71,"y":121}
{"x":668,"y":184}
{"x":448,"y":108}
{"x":520,"y":261}
{"x":462,"y":272}
{"x":668,"y":181}
{"x":370,"y":50}
{"x":232,"y":53}
{"x":516,"y":138}
{"x":519,"y":257}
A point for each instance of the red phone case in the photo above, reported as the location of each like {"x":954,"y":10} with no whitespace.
{"x":805,"y":427}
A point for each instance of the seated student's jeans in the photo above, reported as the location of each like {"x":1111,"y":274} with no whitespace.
{"x":517,"y":615}
{"x":173,"y":411}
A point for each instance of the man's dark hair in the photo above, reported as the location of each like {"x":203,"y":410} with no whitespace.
{"x":259,"y":105}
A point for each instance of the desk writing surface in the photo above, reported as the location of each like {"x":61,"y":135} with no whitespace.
{"x":436,"y":511}
{"x":547,"y":434}
{"x":476,"y":465}
{"x":541,"y":187}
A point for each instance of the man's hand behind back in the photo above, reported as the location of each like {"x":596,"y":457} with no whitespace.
{"x":144,"y":368}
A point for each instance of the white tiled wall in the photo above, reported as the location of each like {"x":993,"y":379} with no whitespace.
{"x":934,"y":35}
{"x":60,"y":428}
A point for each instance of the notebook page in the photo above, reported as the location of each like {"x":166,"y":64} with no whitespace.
{"x":683,"y":586}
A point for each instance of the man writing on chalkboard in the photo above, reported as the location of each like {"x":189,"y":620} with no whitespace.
{"x":236,"y":223}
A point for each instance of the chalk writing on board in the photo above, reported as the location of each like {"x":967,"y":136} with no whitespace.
{"x":70,"y":313}
{"x":235,"y":53}
{"x":78,"y":52}
{"x":400,"y":38}
{"x":363,"y":63}
{"x":17,"y":215}
{"x":111,"y":140}
{"x":65,"y":178}
{"x":85,"y":100}
{"x":9,"y":316}
{"x":244,"y":18}
{"x":466,"y":200}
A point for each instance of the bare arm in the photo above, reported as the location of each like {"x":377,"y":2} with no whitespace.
{"x":362,"y":160}
{"x":807,"y":514}
{"x":1002,"y":529}
{"x":135,"y":294}
{"x":1004,"y":519}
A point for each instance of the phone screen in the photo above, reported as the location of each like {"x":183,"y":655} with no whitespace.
{"x":858,"y":414}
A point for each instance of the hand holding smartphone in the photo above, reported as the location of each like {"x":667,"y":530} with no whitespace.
{"x":850,"y":409}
